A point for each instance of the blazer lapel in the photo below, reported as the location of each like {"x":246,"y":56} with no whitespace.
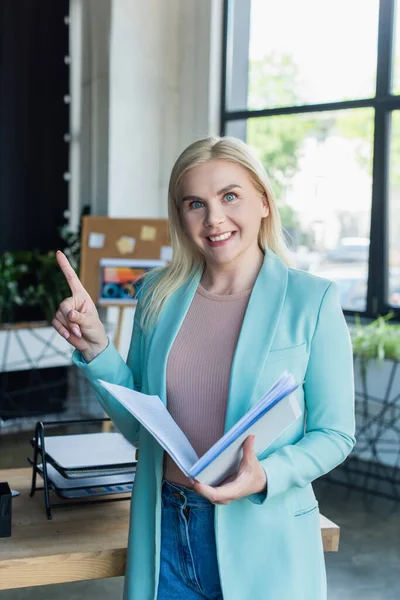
{"x":164,"y":335}
{"x":256,"y":335}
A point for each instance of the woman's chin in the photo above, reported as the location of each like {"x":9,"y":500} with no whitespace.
{"x":220,"y":258}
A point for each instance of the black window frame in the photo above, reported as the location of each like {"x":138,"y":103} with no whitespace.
{"x":384,"y":103}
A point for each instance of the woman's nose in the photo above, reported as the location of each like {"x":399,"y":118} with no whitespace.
{"x":215,"y":216}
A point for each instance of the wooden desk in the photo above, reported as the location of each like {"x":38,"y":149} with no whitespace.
{"x":81,"y":542}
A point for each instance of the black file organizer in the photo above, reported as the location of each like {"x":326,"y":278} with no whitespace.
{"x":40,"y":437}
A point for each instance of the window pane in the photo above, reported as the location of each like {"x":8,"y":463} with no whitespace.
{"x":320,"y":166}
{"x":304,"y":52}
{"x":396,"y":53}
{"x":394,"y":214}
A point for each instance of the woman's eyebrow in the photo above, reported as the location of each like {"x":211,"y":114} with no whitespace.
{"x":224,"y":190}
{"x":228,"y":187}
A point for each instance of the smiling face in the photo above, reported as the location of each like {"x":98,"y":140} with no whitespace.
{"x":221,"y":212}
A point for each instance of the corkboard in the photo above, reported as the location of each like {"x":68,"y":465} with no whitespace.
{"x":113,"y":230}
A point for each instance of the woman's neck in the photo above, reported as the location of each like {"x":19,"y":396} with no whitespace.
{"x":231,"y":278}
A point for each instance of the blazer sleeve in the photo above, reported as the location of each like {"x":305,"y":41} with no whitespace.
{"x":329,"y":399}
{"x":110,"y":367}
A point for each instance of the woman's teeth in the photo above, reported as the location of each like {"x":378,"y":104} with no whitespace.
{"x":219,"y":238}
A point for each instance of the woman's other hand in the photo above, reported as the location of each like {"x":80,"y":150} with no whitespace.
{"x":250,"y":479}
{"x":76,"y":318}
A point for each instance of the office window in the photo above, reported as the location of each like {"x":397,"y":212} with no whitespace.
{"x":312,"y":86}
{"x":304,"y":52}
{"x":393,"y":290}
{"x":396,"y":54}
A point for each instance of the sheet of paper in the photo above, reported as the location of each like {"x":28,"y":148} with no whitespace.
{"x":88,"y":450}
{"x":91,"y":492}
{"x":65,"y":484}
{"x":126,"y":244}
{"x":96,"y":240}
{"x":152,"y":414}
{"x":148,"y":233}
{"x":166,"y":253}
{"x":98,"y":472}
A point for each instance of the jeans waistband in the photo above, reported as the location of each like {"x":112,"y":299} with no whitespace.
{"x":180,"y":496}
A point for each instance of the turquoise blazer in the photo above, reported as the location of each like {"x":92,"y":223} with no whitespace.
{"x":268,"y":546}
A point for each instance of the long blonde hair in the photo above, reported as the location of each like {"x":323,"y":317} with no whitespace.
{"x":187,"y":261}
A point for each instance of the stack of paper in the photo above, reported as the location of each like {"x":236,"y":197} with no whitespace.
{"x":86,"y":465}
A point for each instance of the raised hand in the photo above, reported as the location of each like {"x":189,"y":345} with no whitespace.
{"x":76,"y":318}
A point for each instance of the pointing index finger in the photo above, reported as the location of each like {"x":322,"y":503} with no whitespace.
{"x":69,"y":273}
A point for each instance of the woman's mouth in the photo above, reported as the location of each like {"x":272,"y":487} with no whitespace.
{"x":221,"y":239}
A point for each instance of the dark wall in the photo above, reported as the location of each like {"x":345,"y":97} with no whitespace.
{"x":33,"y":121}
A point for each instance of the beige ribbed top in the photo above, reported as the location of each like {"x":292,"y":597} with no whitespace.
{"x":198,"y":370}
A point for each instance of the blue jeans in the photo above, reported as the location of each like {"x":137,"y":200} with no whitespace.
{"x":188,"y":567}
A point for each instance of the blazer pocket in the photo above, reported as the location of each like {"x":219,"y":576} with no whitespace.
{"x":304,"y":501}
{"x":287,"y":353}
{"x":306,"y":511}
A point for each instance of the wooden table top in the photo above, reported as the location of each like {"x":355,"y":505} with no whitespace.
{"x":80,"y":542}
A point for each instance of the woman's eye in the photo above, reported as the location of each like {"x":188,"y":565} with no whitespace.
{"x":196,"y":204}
{"x":229,"y":197}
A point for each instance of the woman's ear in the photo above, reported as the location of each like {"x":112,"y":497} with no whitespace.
{"x":265,"y":205}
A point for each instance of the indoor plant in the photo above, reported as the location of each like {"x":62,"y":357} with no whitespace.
{"x":31,"y":287}
{"x":378,"y":340}
{"x":374,"y":463}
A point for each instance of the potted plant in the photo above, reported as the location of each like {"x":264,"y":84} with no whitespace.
{"x":379,"y":340}
{"x":374,"y":464}
{"x":34,"y":359}
{"x":12,"y":296}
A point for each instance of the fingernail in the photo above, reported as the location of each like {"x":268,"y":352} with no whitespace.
{"x":66,"y":334}
{"x":76,"y":331}
{"x":191,"y":480}
{"x":72,"y":314}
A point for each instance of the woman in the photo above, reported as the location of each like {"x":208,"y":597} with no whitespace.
{"x":213,"y":331}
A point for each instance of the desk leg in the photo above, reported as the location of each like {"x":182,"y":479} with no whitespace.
{"x":117,"y":338}
{"x":106,"y":427}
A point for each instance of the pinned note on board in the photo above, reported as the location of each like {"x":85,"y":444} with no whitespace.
{"x":126,"y":244}
{"x":148,"y":233}
{"x":166,"y":253}
{"x":96,"y":240}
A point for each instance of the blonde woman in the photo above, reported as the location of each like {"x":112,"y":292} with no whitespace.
{"x":212,"y":331}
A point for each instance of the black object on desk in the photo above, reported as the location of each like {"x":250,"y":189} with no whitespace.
{"x":5,"y":510}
